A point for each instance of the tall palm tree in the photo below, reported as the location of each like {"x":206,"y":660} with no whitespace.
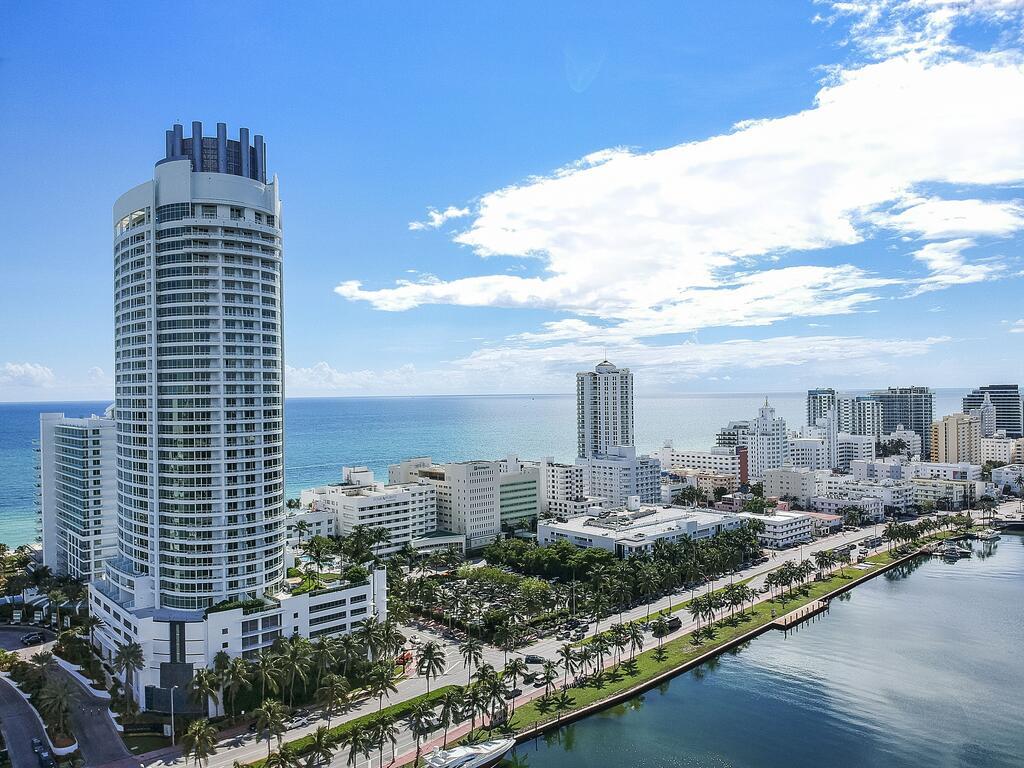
{"x":660,"y":628}
{"x":431,"y":662}
{"x":285,"y":757}
{"x":267,"y":670}
{"x":333,"y":694}
{"x":234,"y":679}
{"x":54,"y":701}
{"x":567,"y":657}
{"x":270,"y":720}
{"x":90,"y":624}
{"x":453,"y":703}
{"x":382,"y":729}
{"x":421,"y":722}
{"x":357,"y":740}
{"x":321,"y":746}
{"x":550,"y":674}
{"x":129,"y":659}
{"x":204,"y":687}
{"x":323,"y":657}
{"x":295,"y":658}
{"x":199,"y":741}
{"x":380,"y":683}
{"x":472,"y":652}
{"x":636,"y":639}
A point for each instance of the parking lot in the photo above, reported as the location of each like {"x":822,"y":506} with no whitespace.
{"x":10,"y":638}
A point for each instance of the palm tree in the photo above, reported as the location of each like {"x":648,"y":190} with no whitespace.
{"x":90,"y":624}
{"x":199,"y":741}
{"x":660,"y":629}
{"x":321,"y":747}
{"x":333,"y":694}
{"x":285,"y":757}
{"x":567,"y":656}
{"x":472,"y":652}
{"x":323,"y":657}
{"x":431,"y":662}
{"x":296,"y":659}
{"x":450,"y":713}
{"x":380,"y":683}
{"x":204,"y":687}
{"x":54,"y":702}
{"x":234,"y":679}
{"x":648,"y":580}
{"x":129,"y":659}
{"x":382,"y":729}
{"x":267,"y":670}
{"x":695,"y":607}
{"x":636,"y":639}
{"x":421,"y":723}
{"x":357,"y":739}
{"x":270,"y":719}
{"x":550,"y":674}
{"x":506,"y":637}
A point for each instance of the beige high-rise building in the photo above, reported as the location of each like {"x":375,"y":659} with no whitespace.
{"x":957,"y":438}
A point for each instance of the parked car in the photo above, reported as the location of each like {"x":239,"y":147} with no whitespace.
{"x":32,"y":638}
{"x":532,"y":658}
{"x":37,"y":745}
{"x":46,"y":760}
{"x":674,"y":623}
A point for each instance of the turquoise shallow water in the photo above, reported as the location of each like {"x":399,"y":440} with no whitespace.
{"x":323,"y":434}
{"x":911,"y":669}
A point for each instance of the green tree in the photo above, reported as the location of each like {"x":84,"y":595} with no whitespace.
{"x":421,"y":722}
{"x":431,"y":662}
{"x":270,"y":721}
{"x":199,"y":741}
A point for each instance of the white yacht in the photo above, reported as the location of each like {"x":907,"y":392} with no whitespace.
{"x":482,"y":755}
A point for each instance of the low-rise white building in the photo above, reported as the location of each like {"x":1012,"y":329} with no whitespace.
{"x":951,"y":495}
{"x":621,"y":473}
{"x":898,"y":496}
{"x":634,"y":529}
{"x":871,"y":507}
{"x":1008,"y":477}
{"x":910,"y":439}
{"x":407,"y":511}
{"x":719,"y":460}
{"x":783,"y":528}
{"x":897,"y":468}
{"x":1002,"y":450}
{"x":800,"y":483}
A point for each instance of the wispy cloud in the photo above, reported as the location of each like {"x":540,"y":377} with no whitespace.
{"x":28,"y":375}
{"x":436,"y":219}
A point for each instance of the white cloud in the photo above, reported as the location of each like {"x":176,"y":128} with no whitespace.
{"x":1017,"y":327}
{"x":679,"y":239}
{"x":935,"y":219}
{"x":32,"y":375}
{"x":948,"y":266}
{"x":436,"y":219}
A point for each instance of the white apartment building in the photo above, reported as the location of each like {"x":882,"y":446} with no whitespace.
{"x":676,"y":480}
{"x":910,"y":439}
{"x":855,"y":414}
{"x":766,"y":443}
{"x":1008,"y":478}
{"x":199,"y":416}
{"x":718,"y":460}
{"x":896,"y":468}
{"x":562,"y":490}
{"x":950,"y":495}
{"x":897,"y":496}
{"x":518,"y":493}
{"x":1004,"y":450}
{"x":735,"y":434}
{"x":800,"y":483}
{"x":635,"y":529}
{"x":78,"y":493}
{"x":604,"y":409}
{"x":620,"y":473}
{"x":783,"y":529}
{"x":851,"y":448}
{"x":872,"y":508}
{"x":407,"y":511}
{"x":956,"y":438}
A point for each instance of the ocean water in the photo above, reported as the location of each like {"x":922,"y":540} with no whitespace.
{"x":324,"y":434}
{"x":912,"y":669}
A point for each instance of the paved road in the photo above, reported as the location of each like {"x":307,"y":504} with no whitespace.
{"x":246,"y":748}
{"x":19,"y":725}
{"x":98,"y":740}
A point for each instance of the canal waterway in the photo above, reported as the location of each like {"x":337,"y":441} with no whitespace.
{"x":917,"y":667}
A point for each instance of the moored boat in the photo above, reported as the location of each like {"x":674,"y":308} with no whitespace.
{"x":482,"y":755}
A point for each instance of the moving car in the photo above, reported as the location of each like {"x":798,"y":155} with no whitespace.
{"x":532,"y":658}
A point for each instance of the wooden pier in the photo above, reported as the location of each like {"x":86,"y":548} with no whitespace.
{"x":790,"y":620}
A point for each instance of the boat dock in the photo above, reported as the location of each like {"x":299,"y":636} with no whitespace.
{"x":791,"y":619}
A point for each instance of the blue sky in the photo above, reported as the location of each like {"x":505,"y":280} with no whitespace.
{"x":738,"y":196}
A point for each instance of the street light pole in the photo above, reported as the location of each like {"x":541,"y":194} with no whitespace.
{"x":173,"y":689}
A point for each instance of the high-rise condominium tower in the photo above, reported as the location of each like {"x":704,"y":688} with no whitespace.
{"x":1007,"y":402}
{"x":198,"y":373}
{"x":910,"y":408}
{"x":604,"y":409}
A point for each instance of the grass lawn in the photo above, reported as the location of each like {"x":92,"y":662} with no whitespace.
{"x":138,"y":743}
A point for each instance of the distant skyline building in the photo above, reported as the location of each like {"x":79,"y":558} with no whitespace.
{"x":908,"y":408}
{"x":604,"y":409}
{"x":767,"y":445}
{"x":956,"y":439}
{"x":1007,"y":401}
{"x":855,"y":414}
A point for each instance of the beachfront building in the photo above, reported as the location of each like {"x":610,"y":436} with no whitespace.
{"x":717,"y":460}
{"x":908,"y":408}
{"x":956,"y":438}
{"x":562,"y":490}
{"x":735,"y":434}
{"x":407,"y":511}
{"x":766,"y":443}
{"x":782,"y":528}
{"x":1005,"y":399}
{"x":855,"y":414}
{"x":78,"y":493}
{"x":797,"y":483}
{"x":621,"y":473}
{"x":604,"y":409}
{"x":635,"y":528}
{"x":198,"y":370}
{"x":518,"y":493}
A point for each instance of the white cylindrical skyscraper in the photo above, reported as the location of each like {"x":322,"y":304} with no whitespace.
{"x":199,"y":377}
